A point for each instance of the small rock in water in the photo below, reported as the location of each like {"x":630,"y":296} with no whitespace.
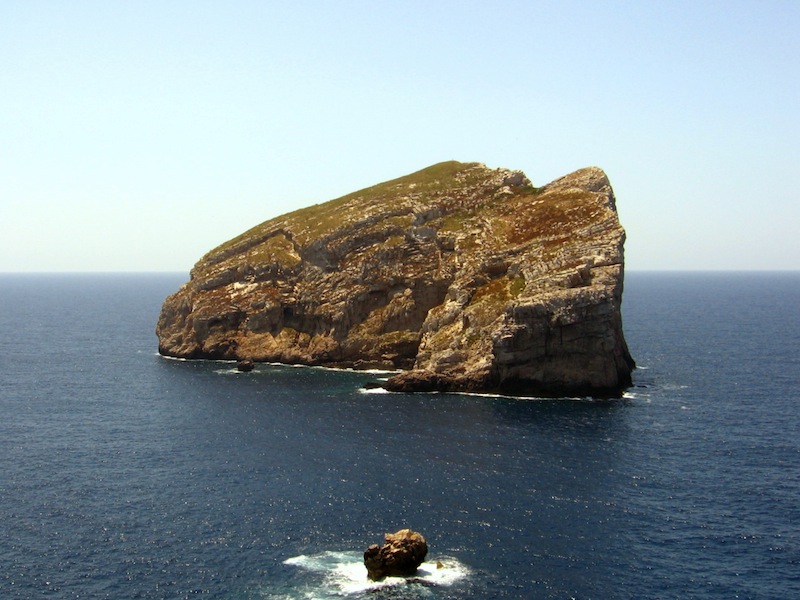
{"x":401,"y":555}
{"x":245,"y":365}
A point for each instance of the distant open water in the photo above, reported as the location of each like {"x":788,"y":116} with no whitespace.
{"x":126,"y":475}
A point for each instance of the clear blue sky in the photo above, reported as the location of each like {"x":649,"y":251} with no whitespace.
{"x":138,"y":135}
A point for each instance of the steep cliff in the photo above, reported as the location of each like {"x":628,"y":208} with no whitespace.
{"x":467,"y":278}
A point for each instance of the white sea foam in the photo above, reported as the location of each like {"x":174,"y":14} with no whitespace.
{"x":375,"y":390}
{"x":493,"y":395}
{"x":351,"y":370}
{"x":344,"y":573}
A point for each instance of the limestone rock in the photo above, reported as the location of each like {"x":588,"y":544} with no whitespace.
{"x":466,"y":277}
{"x":400,"y":556}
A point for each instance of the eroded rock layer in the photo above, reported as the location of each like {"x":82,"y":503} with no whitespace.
{"x":467,"y":278}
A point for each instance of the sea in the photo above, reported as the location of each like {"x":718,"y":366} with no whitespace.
{"x":127,"y":475}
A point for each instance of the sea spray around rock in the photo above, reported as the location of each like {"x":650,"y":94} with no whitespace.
{"x":342,"y":574}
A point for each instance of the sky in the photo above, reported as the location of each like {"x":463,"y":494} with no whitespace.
{"x":136,"y":136}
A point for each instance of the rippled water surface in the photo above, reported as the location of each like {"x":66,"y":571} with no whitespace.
{"x":126,"y":475}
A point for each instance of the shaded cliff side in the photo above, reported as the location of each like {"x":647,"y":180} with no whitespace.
{"x":467,"y":278}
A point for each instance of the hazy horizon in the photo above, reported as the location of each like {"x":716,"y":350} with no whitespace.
{"x":139,"y":136}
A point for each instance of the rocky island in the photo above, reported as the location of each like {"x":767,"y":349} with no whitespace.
{"x":463,"y":277}
{"x":400,"y":555}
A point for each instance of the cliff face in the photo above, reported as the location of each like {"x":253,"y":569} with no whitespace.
{"x":468,"y":278}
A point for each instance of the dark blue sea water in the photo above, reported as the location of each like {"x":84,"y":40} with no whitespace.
{"x":126,"y":475}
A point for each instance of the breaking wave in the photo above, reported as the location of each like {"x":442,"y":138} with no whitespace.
{"x":343,"y":574}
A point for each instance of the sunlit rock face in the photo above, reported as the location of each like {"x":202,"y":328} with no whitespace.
{"x":400,"y":555}
{"x":465,"y":277}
